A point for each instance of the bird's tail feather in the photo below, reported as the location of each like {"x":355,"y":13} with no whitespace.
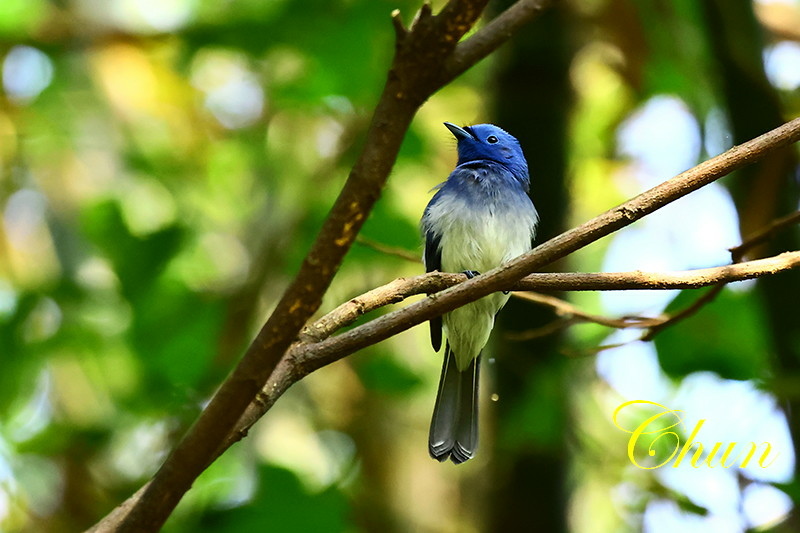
{"x":454,"y":427}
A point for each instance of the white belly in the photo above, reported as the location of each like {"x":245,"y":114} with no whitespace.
{"x":479,"y":240}
{"x":483,"y":243}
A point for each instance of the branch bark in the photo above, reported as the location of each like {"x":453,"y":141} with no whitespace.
{"x":402,"y":288}
{"x":423,"y":63}
{"x":569,"y":314}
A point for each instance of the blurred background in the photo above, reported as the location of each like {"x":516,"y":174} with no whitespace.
{"x":165,"y":165}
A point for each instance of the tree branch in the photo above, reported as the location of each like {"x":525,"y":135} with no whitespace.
{"x":739,"y":252}
{"x":569,"y":313}
{"x":495,"y":33}
{"x":419,"y":68}
{"x":718,"y":276}
{"x":402,"y":288}
{"x":688,"y":279}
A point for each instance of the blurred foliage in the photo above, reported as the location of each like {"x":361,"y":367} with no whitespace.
{"x":164,"y":167}
{"x":734,"y":343}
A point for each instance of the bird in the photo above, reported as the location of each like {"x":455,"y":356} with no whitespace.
{"x":479,"y":218}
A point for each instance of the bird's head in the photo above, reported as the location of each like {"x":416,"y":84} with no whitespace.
{"x":487,"y":141}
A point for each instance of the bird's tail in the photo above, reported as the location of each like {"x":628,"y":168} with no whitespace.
{"x":454,"y":427}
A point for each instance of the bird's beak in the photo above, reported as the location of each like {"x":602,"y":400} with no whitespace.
{"x":459,"y":133}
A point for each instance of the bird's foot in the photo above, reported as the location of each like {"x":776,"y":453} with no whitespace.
{"x":472,"y":273}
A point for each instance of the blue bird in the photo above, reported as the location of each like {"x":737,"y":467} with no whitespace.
{"x":480,"y":218}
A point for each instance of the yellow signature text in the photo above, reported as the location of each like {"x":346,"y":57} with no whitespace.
{"x":664,"y":426}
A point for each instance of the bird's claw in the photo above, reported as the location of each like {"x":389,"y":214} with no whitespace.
{"x":472,"y":273}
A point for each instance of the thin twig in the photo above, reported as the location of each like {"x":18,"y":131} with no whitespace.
{"x":639,"y":280}
{"x":738,"y":252}
{"x":737,"y":255}
{"x":394,"y":251}
{"x":550,"y":328}
{"x":685,"y":313}
{"x":588,"y":352}
{"x":567,"y":310}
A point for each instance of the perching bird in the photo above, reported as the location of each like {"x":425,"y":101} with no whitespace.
{"x":480,"y":218}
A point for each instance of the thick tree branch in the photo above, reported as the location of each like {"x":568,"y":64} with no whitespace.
{"x":419,"y":68}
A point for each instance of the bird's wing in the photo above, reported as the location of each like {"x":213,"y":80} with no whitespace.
{"x":433,"y":261}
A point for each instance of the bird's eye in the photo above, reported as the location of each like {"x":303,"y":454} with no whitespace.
{"x":491,"y":139}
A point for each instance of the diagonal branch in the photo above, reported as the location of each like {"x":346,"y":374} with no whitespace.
{"x":570,"y":314}
{"x":488,"y":38}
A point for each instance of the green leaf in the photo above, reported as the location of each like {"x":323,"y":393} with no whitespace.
{"x":282,"y":504}
{"x":537,"y":418}
{"x":138,"y":261}
{"x":726,"y":336}
{"x":19,"y":364}
{"x":175,"y":332}
{"x":382,"y":373}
